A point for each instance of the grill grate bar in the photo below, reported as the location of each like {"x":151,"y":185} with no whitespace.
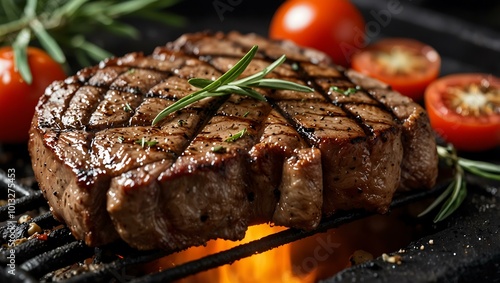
{"x":58,"y":258}
{"x":20,"y":276}
{"x":20,"y":230}
{"x":36,"y":246}
{"x":116,"y":269}
{"x":23,"y":204}
{"x":7,"y":183}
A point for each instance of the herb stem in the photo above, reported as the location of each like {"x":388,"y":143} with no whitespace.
{"x":456,"y":191}
{"x":14,"y":26}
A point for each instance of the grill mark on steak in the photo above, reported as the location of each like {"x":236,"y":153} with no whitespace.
{"x":418,"y":166}
{"x":226,"y":215}
{"x":304,"y":130}
{"x":180,"y":191}
{"x":96,"y":180}
{"x":378,"y":139}
{"x":56,"y":102}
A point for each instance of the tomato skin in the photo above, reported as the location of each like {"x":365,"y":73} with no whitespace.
{"x":408,"y":81}
{"x":17,"y":98}
{"x":320,"y":24}
{"x":464,"y":132}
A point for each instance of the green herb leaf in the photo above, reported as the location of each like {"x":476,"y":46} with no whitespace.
{"x":145,"y":143}
{"x":48,"y":42}
{"x":69,"y":8}
{"x":199,"y":82}
{"x":345,"y":92}
{"x":454,"y":201}
{"x":128,"y":7}
{"x":439,"y":199}
{"x":483,"y":169}
{"x":280,"y":84}
{"x":21,"y":55}
{"x":30,"y":8}
{"x":122,"y":29}
{"x":11,"y":11}
{"x":456,"y":192}
{"x":219,"y":149}
{"x":227,"y":84}
{"x":236,"y":136}
{"x":95,"y":52}
{"x":245,"y":91}
{"x":128,"y":108}
{"x":257,"y":76}
{"x":238,"y":68}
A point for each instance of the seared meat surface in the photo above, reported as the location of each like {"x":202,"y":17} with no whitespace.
{"x":108,"y":174}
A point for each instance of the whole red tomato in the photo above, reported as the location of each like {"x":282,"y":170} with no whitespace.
{"x":17,"y":98}
{"x":332,"y":26}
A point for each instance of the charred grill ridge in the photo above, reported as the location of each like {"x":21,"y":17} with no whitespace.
{"x":311,"y":80}
{"x":376,"y":102}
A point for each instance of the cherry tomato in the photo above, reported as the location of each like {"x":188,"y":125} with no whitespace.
{"x":465,"y":110}
{"x":17,"y":98}
{"x":332,"y":26}
{"x":408,"y":65}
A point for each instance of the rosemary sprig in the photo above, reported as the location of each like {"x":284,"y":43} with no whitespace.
{"x":456,"y":191}
{"x":59,"y":25}
{"x":227,"y":84}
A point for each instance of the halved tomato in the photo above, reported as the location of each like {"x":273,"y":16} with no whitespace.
{"x":464,"y":109}
{"x":407,"y":65}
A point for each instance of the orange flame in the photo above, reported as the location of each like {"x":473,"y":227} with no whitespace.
{"x":307,"y":260}
{"x":273,"y":266}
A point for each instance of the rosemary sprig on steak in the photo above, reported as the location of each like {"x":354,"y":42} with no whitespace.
{"x":456,"y":191}
{"x":227,"y":84}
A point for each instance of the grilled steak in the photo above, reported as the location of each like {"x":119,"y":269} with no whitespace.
{"x":108,"y":173}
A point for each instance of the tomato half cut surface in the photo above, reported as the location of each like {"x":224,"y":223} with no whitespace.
{"x":464,"y":109}
{"x":408,"y":65}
